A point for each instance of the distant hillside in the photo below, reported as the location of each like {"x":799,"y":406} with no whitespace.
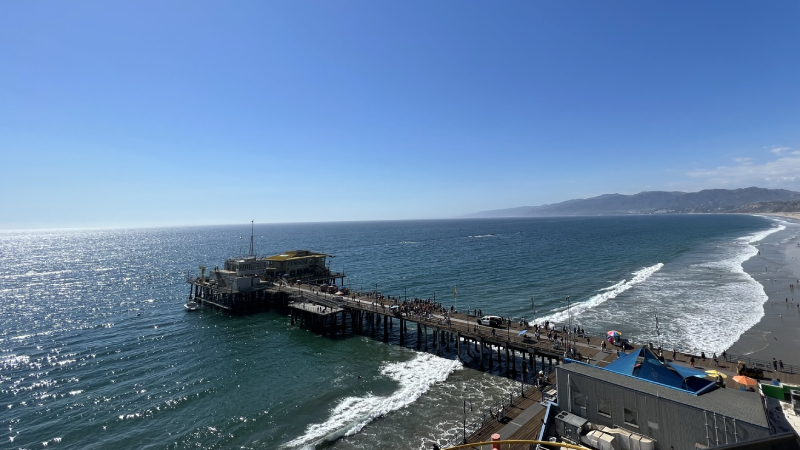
{"x":769,"y":207}
{"x":660,"y":202}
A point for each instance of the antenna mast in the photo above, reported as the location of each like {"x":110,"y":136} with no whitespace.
{"x":251,"y":239}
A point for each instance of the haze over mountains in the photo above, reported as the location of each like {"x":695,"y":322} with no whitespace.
{"x":750,"y":200}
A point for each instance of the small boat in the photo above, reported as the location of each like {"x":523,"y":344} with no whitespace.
{"x":191,"y":305}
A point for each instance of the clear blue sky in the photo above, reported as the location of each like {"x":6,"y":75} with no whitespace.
{"x":145,"y":113}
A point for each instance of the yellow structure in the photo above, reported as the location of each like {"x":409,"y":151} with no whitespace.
{"x":299,"y":264}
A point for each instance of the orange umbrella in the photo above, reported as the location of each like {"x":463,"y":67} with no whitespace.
{"x":747,"y":381}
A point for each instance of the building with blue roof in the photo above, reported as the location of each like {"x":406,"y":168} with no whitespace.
{"x":641,"y":402}
{"x":645,"y":365}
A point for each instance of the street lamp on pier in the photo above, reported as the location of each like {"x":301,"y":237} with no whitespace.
{"x":571,"y":331}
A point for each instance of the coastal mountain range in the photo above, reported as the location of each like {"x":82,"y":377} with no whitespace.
{"x":747,"y":200}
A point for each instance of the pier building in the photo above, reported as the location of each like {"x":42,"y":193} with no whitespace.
{"x":667,"y":407}
{"x":301,"y":265}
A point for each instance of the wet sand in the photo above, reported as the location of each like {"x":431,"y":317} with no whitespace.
{"x":777,"y":335}
{"x":785,"y":215}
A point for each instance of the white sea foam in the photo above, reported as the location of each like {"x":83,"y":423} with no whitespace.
{"x":710,"y":303}
{"x":351,"y":414}
{"x":605,"y":294}
{"x":753,"y":238}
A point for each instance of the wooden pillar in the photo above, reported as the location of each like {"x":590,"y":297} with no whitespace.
{"x":385,"y":330}
{"x":426,"y":337}
{"x":508,"y":363}
{"x":402,"y":333}
{"x":481,"y":356}
{"x":458,"y":346}
{"x":513,"y":362}
{"x":419,"y":335}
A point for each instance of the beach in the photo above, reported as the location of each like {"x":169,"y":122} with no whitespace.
{"x":776,"y":267}
{"x":786,"y":215}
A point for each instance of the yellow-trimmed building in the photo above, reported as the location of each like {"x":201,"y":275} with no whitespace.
{"x":301,"y":265}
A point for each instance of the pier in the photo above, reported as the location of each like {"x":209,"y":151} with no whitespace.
{"x":375,"y":315}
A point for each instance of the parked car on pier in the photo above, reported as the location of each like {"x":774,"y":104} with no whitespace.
{"x":492,"y":321}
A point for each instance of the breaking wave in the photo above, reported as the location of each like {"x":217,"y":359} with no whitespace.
{"x":604,"y":295}
{"x":352,"y":414}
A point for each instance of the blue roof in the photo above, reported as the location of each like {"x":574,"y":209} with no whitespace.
{"x":645,"y":365}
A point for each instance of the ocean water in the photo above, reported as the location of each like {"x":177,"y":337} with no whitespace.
{"x":96,"y":350}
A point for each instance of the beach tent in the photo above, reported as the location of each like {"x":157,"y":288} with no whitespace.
{"x":644,"y":364}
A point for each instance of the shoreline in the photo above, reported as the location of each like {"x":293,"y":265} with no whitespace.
{"x":782,"y":215}
{"x":776,"y":267}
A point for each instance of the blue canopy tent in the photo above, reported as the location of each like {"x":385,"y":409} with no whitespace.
{"x":644,"y":364}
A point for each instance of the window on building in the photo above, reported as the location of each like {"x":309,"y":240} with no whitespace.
{"x":603,"y":407}
{"x":578,"y":403}
{"x":631,"y":417}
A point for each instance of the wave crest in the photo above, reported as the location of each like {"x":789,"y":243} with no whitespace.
{"x":352,"y":414}
{"x":605,"y":295}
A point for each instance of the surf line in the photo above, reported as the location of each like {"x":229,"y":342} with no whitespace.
{"x":608,"y":293}
{"x":351,"y":414}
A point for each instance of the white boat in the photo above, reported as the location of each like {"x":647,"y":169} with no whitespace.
{"x":191,"y":305}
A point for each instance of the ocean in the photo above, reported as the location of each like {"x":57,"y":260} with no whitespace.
{"x":96,"y":350}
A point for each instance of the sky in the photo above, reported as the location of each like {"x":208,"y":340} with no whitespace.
{"x":172,"y":113}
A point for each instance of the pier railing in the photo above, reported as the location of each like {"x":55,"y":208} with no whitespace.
{"x":766,"y":366}
{"x":494,"y":414}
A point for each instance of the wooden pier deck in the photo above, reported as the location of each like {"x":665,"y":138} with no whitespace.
{"x":521,"y":419}
{"x":457,"y":329}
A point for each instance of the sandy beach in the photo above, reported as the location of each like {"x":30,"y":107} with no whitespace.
{"x":785,"y":215}
{"x":776,"y":267}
